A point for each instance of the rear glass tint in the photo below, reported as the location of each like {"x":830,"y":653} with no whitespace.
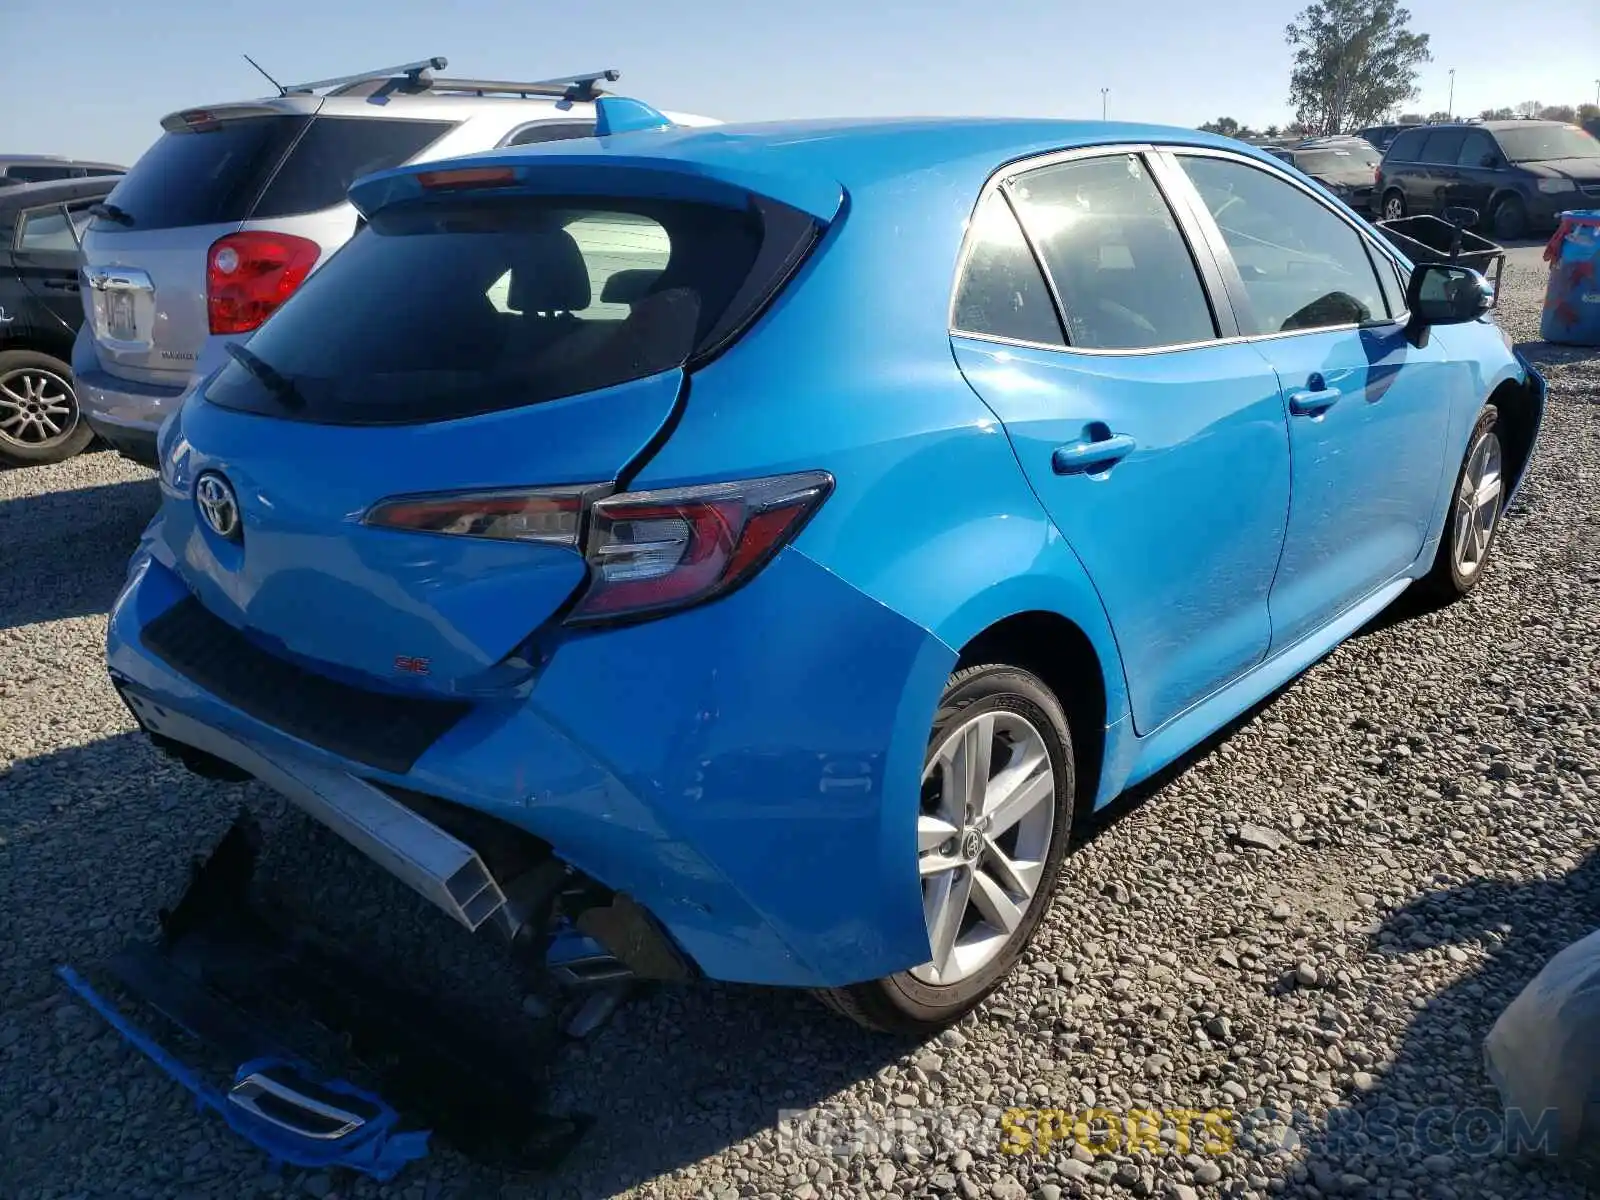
{"x":337,"y":151}
{"x":205,"y":176}
{"x":434,"y":312}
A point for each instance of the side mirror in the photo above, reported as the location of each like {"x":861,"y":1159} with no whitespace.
{"x":1444,"y":294}
{"x":1490,"y":160}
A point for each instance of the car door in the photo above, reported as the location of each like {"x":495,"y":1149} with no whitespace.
{"x":1476,"y":164}
{"x":1157,"y":445}
{"x":1442,"y":174}
{"x":1368,"y":411}
{"x":46,"y":258}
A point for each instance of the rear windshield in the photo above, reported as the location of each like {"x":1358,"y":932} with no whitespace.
{"x":432,"y":313}
{"x":205,"y":177}
{"x":1335,"y":162}
{"x":236,"y":169}
{"x":1542,"y":143}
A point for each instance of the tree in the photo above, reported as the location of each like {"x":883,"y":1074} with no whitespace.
{"x":1529,"y":108}
{"x":1440,"y":115}
{"x":1412,"y":119}
{"x":1558,"y":112}
{"x":1498,"y":114}
{"x":1353,"y":60}
{"x":1588,"y":112}
{"x":1271,"y":131}
{"x":1226,"y":126}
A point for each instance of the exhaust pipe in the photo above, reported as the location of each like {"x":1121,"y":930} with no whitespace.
{"x":434,"y":864}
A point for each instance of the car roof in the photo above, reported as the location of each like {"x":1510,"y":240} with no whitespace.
{"x":55,"y":191}
{"x":956,"y":152}
{"x":55,"y":160}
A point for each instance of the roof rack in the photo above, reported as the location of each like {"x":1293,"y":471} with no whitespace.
{"x":419,"y":77}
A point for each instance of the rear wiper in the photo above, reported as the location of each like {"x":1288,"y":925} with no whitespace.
{"x":111,"y":213}
{"x":280,"y":386}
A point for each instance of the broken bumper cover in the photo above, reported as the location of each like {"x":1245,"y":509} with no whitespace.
{"x":275,"y":1105}
{"x":751,"y":783}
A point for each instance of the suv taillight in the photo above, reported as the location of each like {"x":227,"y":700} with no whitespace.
{"x":249,"y":275}
{"x":648,"y":552}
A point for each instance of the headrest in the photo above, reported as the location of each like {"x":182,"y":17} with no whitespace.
{"x":628,"y":287}
{"x":549,"y":275}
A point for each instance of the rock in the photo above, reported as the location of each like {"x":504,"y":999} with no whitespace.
{"x":1072,"y":1168}
{"x":961,"y":1161}
{"x":884,"y":1175}
{"x":1305,"y":975}
{"x":1182,"y":1191}
{"x":1207,"y":1172}
{"x":1260,"y":837}
{"x":1048,"y":1191}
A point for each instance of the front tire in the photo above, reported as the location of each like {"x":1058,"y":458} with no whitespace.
{"x":998,"y":798}
{"x":39,"y":418}
{"x":1510,"y":219}
{"x":1394,"y":206}
{"x":1476,"y":505}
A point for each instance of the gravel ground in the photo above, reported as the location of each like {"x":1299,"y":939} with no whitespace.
{"x":1319,"y":915}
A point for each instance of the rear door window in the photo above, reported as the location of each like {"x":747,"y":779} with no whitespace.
{"x":433,"y":312}
{"x":1001,"y":292}
{"x":337,"y":151}
{"x":45,"y":229}
{"x":1406,"y":146}
{"x":1120,"y":263}
{"x":1443,"y":145}
{"x":1302,"y":266}
{"x":205,"y":176}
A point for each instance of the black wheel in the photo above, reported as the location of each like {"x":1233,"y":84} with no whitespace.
{"x":1394,"y":206}
{"x":996,"y":819}
{"x":39,"y":418}
{"x":1474,"y":518}
{"x":1510,"y":219}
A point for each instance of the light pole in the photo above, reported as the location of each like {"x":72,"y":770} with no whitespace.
{"x":1450,"y":104}
{"x":1104,"y":92}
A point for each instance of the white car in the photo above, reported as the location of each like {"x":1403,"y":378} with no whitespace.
{"x":228,"y":212}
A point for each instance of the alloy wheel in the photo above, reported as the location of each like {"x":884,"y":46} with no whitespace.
{"x":1393,"y":208}
{"x":1478,"y":505}
{"x":37,"y":407}
{"x":988,"y":813}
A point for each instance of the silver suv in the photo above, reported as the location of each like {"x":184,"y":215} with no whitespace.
{"x":225,"y":216}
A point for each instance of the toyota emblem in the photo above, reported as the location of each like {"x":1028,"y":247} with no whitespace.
{"x":215,"y":499}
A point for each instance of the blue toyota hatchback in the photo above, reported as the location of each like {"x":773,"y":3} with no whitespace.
{"x":756,"y":548}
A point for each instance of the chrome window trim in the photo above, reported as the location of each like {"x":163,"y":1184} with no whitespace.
{"x":1000,"y":181}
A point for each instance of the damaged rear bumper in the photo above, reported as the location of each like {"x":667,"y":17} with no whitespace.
{"x":744,"y":802}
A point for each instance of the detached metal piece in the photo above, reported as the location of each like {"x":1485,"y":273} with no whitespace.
{"x":428,"y":860}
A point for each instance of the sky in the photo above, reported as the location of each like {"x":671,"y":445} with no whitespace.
{"x":96,"y":86}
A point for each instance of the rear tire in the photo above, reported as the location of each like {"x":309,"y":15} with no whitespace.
{"x":39,"y":418}
{"x":1510,"y":219}
{"x":1005,"y":723}
{"x":1476,"y":505}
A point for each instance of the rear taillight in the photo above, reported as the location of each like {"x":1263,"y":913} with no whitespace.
{"x":650,"y":551}
{"x":249,"y":275}
{"x":548,"y":515}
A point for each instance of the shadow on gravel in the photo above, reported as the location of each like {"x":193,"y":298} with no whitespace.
{"x":1430,"y":1124}
{"x":94,"y":838}
{"x":64,"y":554}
